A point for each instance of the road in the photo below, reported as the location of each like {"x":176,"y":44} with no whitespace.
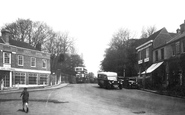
{"x":89,"y":99}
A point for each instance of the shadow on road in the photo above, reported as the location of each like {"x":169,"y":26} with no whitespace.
{"x":36,"y":100}
{"x":21,"y":110}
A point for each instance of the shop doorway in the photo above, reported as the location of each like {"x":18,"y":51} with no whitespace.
{"x":5,"y":75}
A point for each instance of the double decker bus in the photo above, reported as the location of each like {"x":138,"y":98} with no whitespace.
{"x":81,"y":74}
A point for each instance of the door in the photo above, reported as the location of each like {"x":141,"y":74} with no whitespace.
{"x":5,"y":75}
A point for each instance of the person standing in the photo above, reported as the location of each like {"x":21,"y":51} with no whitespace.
{"x":25,"y":98}
{"x":2,"y":84}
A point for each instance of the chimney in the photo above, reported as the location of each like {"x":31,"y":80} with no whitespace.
{"x":5,"y":35}
{"x":178,"y":31}
{"x":38,"y":46}
{"x":182,"y":27}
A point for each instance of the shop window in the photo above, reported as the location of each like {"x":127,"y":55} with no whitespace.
{"x":32,"y":78}
{"x":20,"y":78}
{"x":43,"y":79}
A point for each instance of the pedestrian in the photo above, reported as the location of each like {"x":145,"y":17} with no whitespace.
{"x":25,"y":98}
{"x":2,"y":84}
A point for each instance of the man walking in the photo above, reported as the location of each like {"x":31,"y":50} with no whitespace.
{"x":25,"y":98}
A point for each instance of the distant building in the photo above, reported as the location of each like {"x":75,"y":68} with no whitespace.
{"x":21,"y":64}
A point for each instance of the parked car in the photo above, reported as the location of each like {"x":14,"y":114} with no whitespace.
{"x":109,"y":80}
{"x":132,"y":84}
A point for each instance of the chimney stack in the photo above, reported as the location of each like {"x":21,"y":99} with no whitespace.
{"x":5,"y":35}
{"x":178,"y":31}
{"x":182,"y":27}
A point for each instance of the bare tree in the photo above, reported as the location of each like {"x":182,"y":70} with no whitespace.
{"x":146,"y":32}
{"x":120,"y":39}
{"x":64,"y":43}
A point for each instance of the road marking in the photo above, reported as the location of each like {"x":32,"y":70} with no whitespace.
{"x":48,"y":99}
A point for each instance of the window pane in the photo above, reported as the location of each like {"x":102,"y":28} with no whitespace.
{"x":43,"y":79}
{"x":20,"y":78}
{"x":33,"y":62}
{"x":6,"y":57}
{"x":44,"y":63}
{"x":147,"y":52}
{"x":32,"y":78}
{"x":20,"y":60}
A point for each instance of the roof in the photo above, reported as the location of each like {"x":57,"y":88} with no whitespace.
{"x":154,"y":35}
{"x":172,"y":34}
{"x":19,"y":44}
{"x":151,"y":37}
{"x":108,"y":73}
{"x":177,"y":37}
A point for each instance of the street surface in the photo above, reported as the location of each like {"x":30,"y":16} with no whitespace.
{"x":89,"y":99}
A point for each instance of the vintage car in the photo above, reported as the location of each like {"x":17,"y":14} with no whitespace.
{"x":132,"y":84}
{"x":109,"y":80}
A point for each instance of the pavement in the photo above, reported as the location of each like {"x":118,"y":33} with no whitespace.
{"x":163,"y":93}
{"x":31,"y":89}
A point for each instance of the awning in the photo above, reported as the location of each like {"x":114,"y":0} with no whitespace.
{"x":152,"y":67}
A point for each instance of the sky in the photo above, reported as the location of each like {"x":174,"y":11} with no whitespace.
{"x":92,"y":23}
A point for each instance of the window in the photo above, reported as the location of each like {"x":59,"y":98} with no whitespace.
{"x":33,"y":62}
{"x":173,"y":50}
{"x":162,"y":53}
{"x":20,"y":78}
{"x":177,"y":47}
{"x":7,"y":58}
{"x":147,"y":52}
{"x":44,"y":63}
{"x":78,"y":69}
{"x":139,"y":55}
{"x":32,"y":78}
{"x":143,"y":54}
{"x":20,"y":60}
{"x":183,"y":46}
{"x":156,"y":55}
{"x":43,"y":79}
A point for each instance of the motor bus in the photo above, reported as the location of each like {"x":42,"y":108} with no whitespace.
{"x":109,"y":80}
{"x":81,"y":74}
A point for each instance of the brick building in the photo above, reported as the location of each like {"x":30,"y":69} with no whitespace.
{"x":21,"y":64}
{"x":150,"y":60}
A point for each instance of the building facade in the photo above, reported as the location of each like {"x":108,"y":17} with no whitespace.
{"x":151,"y":57}
{"x":21,"y":64}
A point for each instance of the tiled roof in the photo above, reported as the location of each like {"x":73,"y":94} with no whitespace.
{"x":152,"y":37}
{"x":19,"y":44}
{"x":178,"y":36}
{"x":172,"y":34}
